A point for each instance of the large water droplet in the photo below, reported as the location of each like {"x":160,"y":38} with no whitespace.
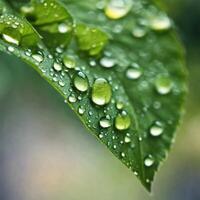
{"x":116,"y":9}
{"x":163,"y":85}
{"x":101,"y":92}
{"x":156,"y":130}
{"x":11,"y":35}
{"x":160,"y":23}
{"x":81,"y":82}
{"x":69,"y":62}
{"x":122,"y":121}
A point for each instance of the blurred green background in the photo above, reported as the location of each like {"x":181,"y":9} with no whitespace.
{"x":47,"y":154}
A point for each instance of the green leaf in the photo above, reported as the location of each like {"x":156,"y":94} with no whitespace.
{"x":120,"y":67}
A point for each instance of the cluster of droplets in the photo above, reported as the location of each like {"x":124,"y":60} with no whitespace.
{"x":101,"y":90}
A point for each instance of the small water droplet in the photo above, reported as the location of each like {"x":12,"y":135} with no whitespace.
{"x":63,"y":28}
{"x":122,"y":121}
{"x":81,"y":82}
{"x":149,"y":161}
{"x":119,"y":105}
{"x":72,"y":99}
{"x":139,"y":32}
{"x":123,"y":154}
{"x":105,"y":122}
{"x":61,"y":83}
{"x":101,"y":92}
{"x":81,"y":110}
{"x":133,"y":73}
{"x":57,"y":67}
{"x":38,"y":57}
{"x":11,"y":49}
{"x":163,"y":85}
{"x":101,"y":136}
{"x":107,"y":62}
{"x":127,"y":139}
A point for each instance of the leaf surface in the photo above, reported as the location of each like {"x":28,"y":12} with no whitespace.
{"x":118,"y":64}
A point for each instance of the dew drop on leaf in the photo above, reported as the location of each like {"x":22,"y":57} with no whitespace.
{"x":39,"y":58}
{"x":139,"y":32}
{"x":122,"y":121}
{"x":69,"y":62}
{"x":72,"y":98}
{"x":149,"y":161}
{"x":133,"y":73}
{"x":107,"y":62}
{"x":160,"y":23}
{"x":63,"y":28}
{"x":101,"y":92}
{"x":81,"y":82}
{"x":119,"y":105}
{"x":11,"y":49}
{"x":163,"y":85}
{"x":57,"y":66}
{"x":81,"y":110}
{"x":127,"y":139}
{"x":11,"y":35}
{"x":105,"y":123}
{"x":116,"y":9}
{"x":156,"y":129}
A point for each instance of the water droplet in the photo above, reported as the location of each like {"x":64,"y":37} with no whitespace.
{"x":136,"y":173}
{"x":105,"y":122}
{"x":72,"y":99}
{"x":39,"y":58}
{"x":107,"y":62}
{"x":11,"y":35}
{"x":69,"y":62}
{"x":139,"y":32}
{"x":117,"y":9}
{"x":63,"y":28}
{"x":122,"y":121}
{"x":119,"y":105}
{"x":149,"y":161}
{"x":61,"y":83}
{"x":156,"y":130}
{"x":101,"y":136}
{"x":57,"y":67}
{"x":127,"y":139}
{"x":163,"y":85}
{"x":133,"y":73}
{"x":81,"y":110}
{"x":160,"y":23}
{"x":101,"y":92}
{"x":81,"y":82}
{"x":11,"y":49}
